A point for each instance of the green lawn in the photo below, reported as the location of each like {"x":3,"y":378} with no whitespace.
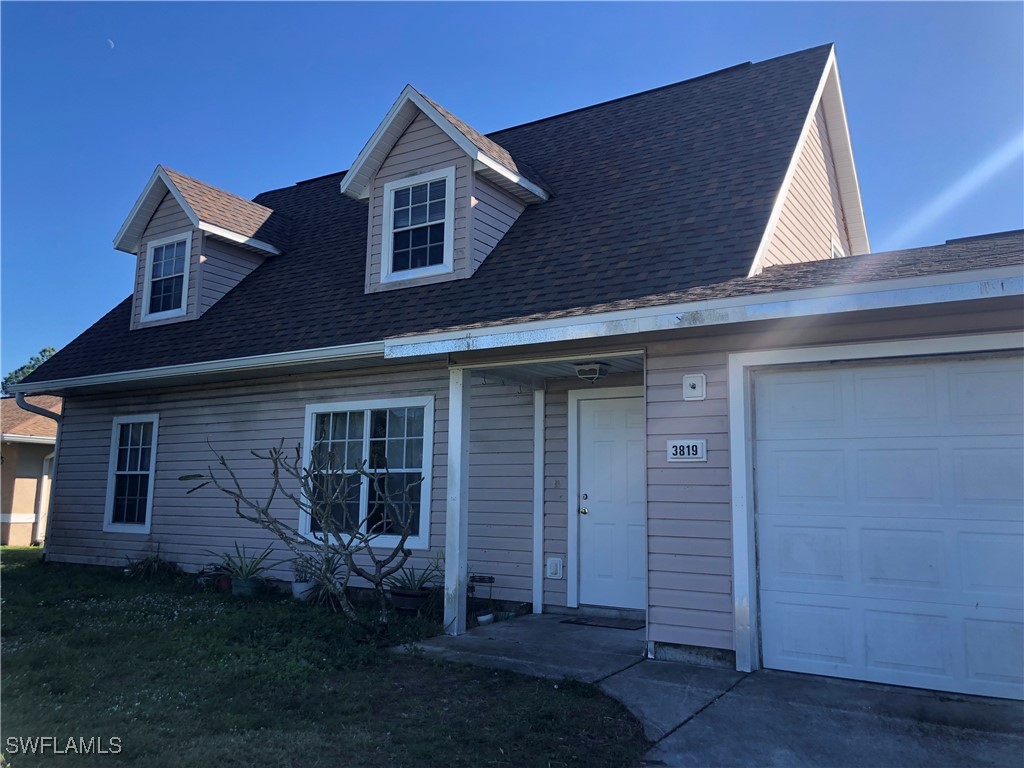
{"x":190,"y":678}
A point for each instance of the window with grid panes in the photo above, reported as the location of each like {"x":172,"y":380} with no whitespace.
{"x":389,"y":443}
{"x":132,"y":462}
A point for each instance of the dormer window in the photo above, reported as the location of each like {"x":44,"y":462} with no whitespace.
{"x":419,"y":219}
{"x":166,"y":287}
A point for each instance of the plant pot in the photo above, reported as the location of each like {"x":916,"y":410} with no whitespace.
{"x":222,"y":583}
{"x":301,"y":589}
{"x":484,"y":619}
{"x":244,"y":587}
{"x":409,"y":600}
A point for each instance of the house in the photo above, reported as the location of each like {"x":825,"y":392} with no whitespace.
{"x":26,"y":466}
{"x":640,"y":353}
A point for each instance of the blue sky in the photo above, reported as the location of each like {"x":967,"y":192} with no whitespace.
{"x":253,"y":96}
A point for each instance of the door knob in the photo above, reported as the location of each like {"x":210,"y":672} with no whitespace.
{"x":584,"y":511}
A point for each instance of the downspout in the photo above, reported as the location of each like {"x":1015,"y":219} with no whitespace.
{"x":19,"y":398}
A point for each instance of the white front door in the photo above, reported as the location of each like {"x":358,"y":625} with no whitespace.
{"x":612,"y":490}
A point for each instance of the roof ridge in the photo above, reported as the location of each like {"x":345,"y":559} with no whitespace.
{"x":214,"y":187}
{"x":666,"y":86}
{"x":971,"y":238}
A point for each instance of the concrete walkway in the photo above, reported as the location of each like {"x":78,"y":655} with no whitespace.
{"x":701,"y":716}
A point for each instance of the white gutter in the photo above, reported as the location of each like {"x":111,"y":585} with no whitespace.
{"x":234,"y":237}
{"x":321,"y":354}
{"x":884,"y":294}
{"x":32,"y":439}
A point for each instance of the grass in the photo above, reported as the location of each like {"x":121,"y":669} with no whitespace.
{"x":185,"y":677}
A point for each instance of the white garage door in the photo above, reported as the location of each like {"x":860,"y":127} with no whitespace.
{"x":890,"y":529}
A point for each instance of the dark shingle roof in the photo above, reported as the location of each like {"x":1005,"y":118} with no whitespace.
{"x":662,"y":194}
{"x":224,"y":209}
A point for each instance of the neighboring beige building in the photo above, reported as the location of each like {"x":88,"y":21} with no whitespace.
{"x":27,"y":468}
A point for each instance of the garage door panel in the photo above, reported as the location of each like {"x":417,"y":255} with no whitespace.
{"x":890,"y":522}
{"x":932,"y":561}
{"x":925,"y":645}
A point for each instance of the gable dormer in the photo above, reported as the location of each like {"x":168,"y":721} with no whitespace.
{"x":193,"y":243}
{"x":440,"y":195}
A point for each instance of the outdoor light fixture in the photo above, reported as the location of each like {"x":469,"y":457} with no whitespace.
{"x":591,"y":371}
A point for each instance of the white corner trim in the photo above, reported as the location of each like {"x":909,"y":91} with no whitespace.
{"x":30,"y":439}
{"x":237,"y":238}
{"x":884,"y":294}
{"x":456,"y":523}
{"x":387,"y":273}
{"x":741,"y":445}
{"x":848,"y":183}
{"x":538,"y":500}
{"x":228,"y":365}
{"x":572,"y":569}
{"x":787,"y":181}
{"x":159,"y":174}
{"x":108,"y":525}
{"x":17,"y":518}
{"x":147,"y":316}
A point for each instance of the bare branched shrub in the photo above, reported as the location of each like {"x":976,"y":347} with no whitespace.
{"x":325,"y":494}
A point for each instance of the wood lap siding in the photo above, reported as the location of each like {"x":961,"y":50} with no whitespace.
{"x":811,"y":215}
{"x":501,"y":489}
{"x":556,"y":491}
{"x":689,"y":506}
{"x":494,"y":213}
{"x":235,"y":420}
{"x":222,"y":267}
{"x":168,"y":219}
{"x":423,"y":147}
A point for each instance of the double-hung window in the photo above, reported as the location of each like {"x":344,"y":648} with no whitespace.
{"x":418,"y":225}
{"x":131,"y":473}
{"x":167,"y":264}
{"x":392,"y":441}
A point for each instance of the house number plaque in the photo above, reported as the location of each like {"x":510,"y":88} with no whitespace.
{"x":687,"y":450}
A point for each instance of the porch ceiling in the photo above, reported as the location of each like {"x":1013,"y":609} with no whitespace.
{"x":561,"y":369}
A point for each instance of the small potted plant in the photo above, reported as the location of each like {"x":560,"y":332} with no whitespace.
{"x":304,"y":572}
{"x":246,"y":571}
{"x":410,"y":588}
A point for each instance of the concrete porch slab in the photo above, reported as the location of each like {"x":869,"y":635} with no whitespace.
{"x":541,"y":645}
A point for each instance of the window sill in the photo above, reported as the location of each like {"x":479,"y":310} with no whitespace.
{"x":415,"y":543}
{"x":163,"y":315}
{"x":137,"y":529}
{"x":412,"y":274}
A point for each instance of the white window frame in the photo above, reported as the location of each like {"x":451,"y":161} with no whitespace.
{"x":108,"y":517}
{"x":387,"y":274}
{"x":148,"y":283}
{"x":421,"y":540}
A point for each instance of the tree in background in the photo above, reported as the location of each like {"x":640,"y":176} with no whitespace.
{"x":34,"y":362}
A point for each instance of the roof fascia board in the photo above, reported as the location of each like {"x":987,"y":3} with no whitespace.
{"x":887,"y":294}
{"x":787,"y":181}
{"x":353,"y":186}
{"x":33,"y":439}
{"x":237,"y":238}
{"x":321,"y":354}
{"x":158,"y":175}
{"x":849,"y":186}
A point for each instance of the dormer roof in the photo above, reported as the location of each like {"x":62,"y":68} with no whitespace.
{"x":216,"y":211}
{"x":490,"y":159}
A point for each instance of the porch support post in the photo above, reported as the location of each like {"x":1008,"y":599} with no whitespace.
{"x":538,"y":501}
{"x":456,"y":523}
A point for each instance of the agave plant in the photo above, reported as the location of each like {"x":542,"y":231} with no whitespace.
{"x":241,"y":565}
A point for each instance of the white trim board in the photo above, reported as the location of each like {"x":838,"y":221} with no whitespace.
{"x":538,"y":500}
{"x":109,"y":526}
{"x":572,"y":528}
{"x":741,"y":366}
{"x":31,"y":439}
{"x":884,"y":294}
{"x":145,"y":315}
{"x":18,"y":518}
